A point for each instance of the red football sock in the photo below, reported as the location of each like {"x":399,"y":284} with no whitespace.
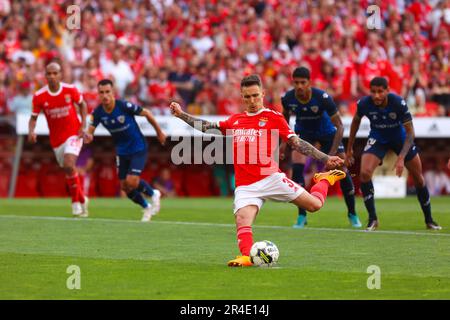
{"x":245,"y":239}
{"x":320,"y":190}
{"x":73,"y":184}
{"x":80,"y":191}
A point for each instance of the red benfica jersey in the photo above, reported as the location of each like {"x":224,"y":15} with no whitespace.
{"x":59,"y":110}
{"x":255,"y":139}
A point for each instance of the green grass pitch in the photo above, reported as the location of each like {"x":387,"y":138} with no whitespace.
{"x":182,"y":253}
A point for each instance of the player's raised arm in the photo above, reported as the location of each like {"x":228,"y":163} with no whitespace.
{"x":309,"y":150}
{"x":195,"y":123}
{"x":151,"y":119}
{"x":356,"y":122}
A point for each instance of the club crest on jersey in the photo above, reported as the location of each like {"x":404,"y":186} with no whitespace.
{"x":121,"y":119}
{"x":393,"y":115}
{"x":315,"y":109}
{"x":263,"y":121}
{"x":67,"y":98}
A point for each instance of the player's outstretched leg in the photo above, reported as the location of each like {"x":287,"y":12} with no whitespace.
{"x":315,"y":200}
{"x":145,"y":188}
{"x":298,"y":177}
{"x":348,"y":191}
{"x":244,"y":220}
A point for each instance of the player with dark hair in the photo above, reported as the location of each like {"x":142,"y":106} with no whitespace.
{"x":317,"y":121}
{"x":256,"y":134}
{"x":57,"y":101}
{"x":391,"y":128}
{"x":117,"y":116}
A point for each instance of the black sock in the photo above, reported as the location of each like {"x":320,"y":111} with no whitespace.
{"x":297,"y":176}
{"x":424,"y":200}
{"x":369,"y":201}
{"x":349,"y":193}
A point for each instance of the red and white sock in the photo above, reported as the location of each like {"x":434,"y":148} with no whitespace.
{"x":320,"y":190}
{"x":245,"y":239}
{"x":73,"y":183}
{"x":80,"y":190}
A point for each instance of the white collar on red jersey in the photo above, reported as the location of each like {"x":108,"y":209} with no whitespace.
{"x":57,"y":92}
{"x":256,"y":113}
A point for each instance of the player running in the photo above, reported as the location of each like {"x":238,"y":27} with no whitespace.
{"x":58,"y":100}
{"x":391,"y":127}
{"x":316,"y":121}
{"x":117,"y":116}
{"x":256,"y":134}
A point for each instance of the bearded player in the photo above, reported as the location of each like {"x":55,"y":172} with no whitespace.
{"x":256,"y":134}
{"x":317,"y":120}
{"x":57,"y":100}
{"x":391,"y":128}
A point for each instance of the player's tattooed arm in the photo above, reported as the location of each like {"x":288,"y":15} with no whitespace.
{"x":307,"y":149}
{"x":195,"y":123}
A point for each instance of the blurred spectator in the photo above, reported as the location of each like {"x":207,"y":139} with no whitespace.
{"x":119,"y":71}
{"x":90,"y":93}
{"x":161,"y":91}
{"x":207,"y":47}
{"x":437,"y":180}
{"x":164,"y":183}
{"x":21,"y":103}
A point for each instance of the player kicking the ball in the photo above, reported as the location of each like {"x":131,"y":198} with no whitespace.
{"x":57,"y":100}
{"x":391,"y":127}
{"x":117,"y":116}
{"x":256,"y":134}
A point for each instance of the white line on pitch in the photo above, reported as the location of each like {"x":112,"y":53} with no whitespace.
{"x":225,"y":225}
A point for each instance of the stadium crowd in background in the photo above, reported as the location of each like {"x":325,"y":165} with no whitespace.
{"x":196,"y":51}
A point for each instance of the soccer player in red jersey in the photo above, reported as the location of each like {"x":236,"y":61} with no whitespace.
{"x":57,"y":101}
{"x":256,"y":134}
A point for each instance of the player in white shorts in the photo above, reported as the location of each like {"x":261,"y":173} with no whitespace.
{"x":256,"y":134}
{"x":57,"y":101}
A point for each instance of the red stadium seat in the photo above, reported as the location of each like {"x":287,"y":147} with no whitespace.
{"x":199,"y":181}
{"x":27,"y":184}
{"x":107,"y":180}
{"x":5,"y":169}
{"x":52,"y":181}
{"x":178,"y":176}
